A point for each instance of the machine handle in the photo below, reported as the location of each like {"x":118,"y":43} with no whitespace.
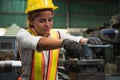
{"x":102,"y":46}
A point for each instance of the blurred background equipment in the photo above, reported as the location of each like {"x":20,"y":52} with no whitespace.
{"x":111,"y":35}
{"x":2,"y":31}
{"x":9,"y":63}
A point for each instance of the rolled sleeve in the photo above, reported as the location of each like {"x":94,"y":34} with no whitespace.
{"x":35,"y":42}
{"x":26,"y":40}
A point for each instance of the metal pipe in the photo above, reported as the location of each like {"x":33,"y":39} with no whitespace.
{"x":102,"y":46}
{"x":10,"y":65}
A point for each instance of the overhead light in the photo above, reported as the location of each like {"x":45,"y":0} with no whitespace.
{"x":2,"y":31}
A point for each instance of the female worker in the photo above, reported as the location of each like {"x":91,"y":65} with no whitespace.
{"x":39,"y":44}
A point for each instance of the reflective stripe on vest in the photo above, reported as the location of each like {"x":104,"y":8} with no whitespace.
{"x":38,"y":62}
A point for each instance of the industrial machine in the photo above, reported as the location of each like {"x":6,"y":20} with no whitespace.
{"x":88,"y":67}
{"x":9,"y":63}
{"x":101,"y":66}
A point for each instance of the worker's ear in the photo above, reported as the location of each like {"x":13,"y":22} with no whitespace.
{"x":30,"y":19}
{"x":30,"y":22}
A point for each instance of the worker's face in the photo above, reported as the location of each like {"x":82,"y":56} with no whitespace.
{"x":43,"y":23}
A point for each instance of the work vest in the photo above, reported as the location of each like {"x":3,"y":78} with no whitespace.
{"x":38,"y":61}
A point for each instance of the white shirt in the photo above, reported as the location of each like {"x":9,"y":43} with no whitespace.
{"x":28,"y":43}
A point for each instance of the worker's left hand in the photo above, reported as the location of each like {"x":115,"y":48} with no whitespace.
{"x":95,"y":41}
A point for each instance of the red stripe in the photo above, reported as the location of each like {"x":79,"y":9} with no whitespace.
{"x":43,"y":65}
{"x":32,"y":69}
{"x":49,"y":65}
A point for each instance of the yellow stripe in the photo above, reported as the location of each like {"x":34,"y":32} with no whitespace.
{"x":54,"y":64}
{"x":38,"y":65}
{"x":54,"y":59}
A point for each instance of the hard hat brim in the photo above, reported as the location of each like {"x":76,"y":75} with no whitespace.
{"x":52,"y":8}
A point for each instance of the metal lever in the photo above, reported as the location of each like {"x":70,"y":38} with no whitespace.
{"x":102,"y":46}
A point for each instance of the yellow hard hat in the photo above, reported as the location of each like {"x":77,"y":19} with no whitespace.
{"x":39,"y":4}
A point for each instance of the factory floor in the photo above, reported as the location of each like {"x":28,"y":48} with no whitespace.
{"x":13,"y":76}
{"x":112,"y":78}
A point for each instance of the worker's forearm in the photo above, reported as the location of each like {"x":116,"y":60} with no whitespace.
{"x":48,"y":44}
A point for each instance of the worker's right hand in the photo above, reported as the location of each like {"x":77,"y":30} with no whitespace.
{"x":95,"y":41}
{"x":73,"y":48}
